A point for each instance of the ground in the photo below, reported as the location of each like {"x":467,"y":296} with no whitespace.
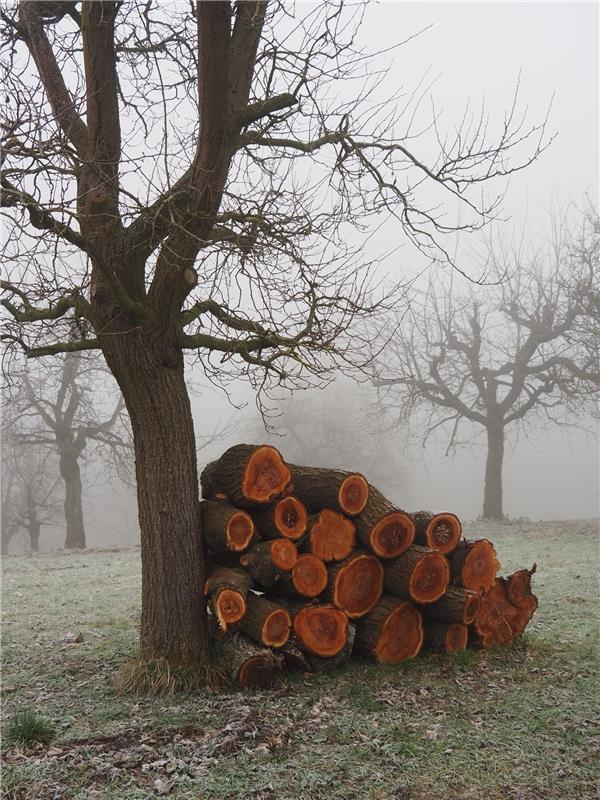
{"x":521,"y":723}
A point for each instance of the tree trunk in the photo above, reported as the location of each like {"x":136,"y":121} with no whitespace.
{"x":71,"y":475}
{"x":34,"y":536}
{"x":492,"y":495}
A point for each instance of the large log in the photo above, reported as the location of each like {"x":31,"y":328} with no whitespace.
{"x":491,"y":626}
{"x":248,"y":664}
{"x":456,"y":605}
{"x":266,"y":562}
{"x":321,"y":629}
{"x":511,"y":598}
{"x":355,"y":584}
{"x":266,"y":622}
{"x":307,"y":579}
{"x":438,"y":531}
{"x":326,"y":664}
{"x":445,"y":637}
{"x":287,"y":518}
{"x":227,"y":590}
{"x":319,"y":488}
{"x":248,"y":475}
{"x":420,"y":574}
{"x":225,"y":529}
{"x":392,"y":632}
{"x":383,"y":528}
{"x":473,"y":565}
{"x":331,"y":536}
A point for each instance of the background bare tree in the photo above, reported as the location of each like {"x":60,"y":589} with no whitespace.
{"x":504,"y":355}
{"x":191,"y":178}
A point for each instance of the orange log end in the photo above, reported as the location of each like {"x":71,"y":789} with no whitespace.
{"x":322,"y":629}
{"x":266,"y":475}
{"x":230,"y":607}
{"x":443,"y":532}
{"x":257,"y":671}
{"x":480,"y":567}
{"x":284,"y":554}
{"x":276,"y":629}
{"x":353,"y":494}
{"x":358,"y":585}
{"x":429,"y":578}
{"x":402,"y":635}
{"x":309,"y":576}
{"x":457,"y":637}
{"x":392,"y":535}
{"x":290,"y":517}
{"x":332,"y":537}
{"x":240,"y":531}
{"x":471,"y":608}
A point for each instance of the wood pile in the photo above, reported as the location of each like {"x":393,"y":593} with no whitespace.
{"x":307,"y":566}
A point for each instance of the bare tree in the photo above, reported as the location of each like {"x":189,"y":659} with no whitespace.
{"x":505,"y":355}
{"x":181,"y":178}
{"x":60,"y":408}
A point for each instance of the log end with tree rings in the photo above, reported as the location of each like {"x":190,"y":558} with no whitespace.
{"x":401,"y":635}
{"x":322,"y":630}
{"x":240,"y":531}
{"x":457,"y":637}
{"x":358,"y":584}
{"x":276,"y":628}
{"x":392,"y":535}
{"x":471,"y":608}
{"x":519,"y":585}
{"x":429,"y":578}
{"x":266,"y":475}
{"x":480,"y":566}
{"x":309,"y":576}
{"x":332,"y":536}
{"x":259,"y":671}
{"x":283,"y":554}
{"x":229,"y":607}
{"x":443,"y":532}
{"x":290,"y":517}
{"x":353,"y":494}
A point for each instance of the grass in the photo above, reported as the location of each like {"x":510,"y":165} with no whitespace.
{"x":520,"y":723}
{"x":26,"y":728}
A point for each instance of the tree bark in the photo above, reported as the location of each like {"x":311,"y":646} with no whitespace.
{"x":71,"y":475}
{"x":492,"y":494}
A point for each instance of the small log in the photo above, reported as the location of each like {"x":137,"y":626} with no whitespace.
{"x":268,"y":561}
{"x":445,"y":637}
{"x":321,"y":629}
{"x":247,"y":664}
{"x":319,"y":488}
{"x":287,"y":518}
{"x":473,"y":565}
{"x":225,"y":529}
{"x":327,"y":664}
{"x":456,"y":605}
{"x":331,"y":536}
{"x":420,"y":575}
{"x":355,"y":584}
{"x":383,"y":528}
{"x":307,"y":579}
{"x":296,"y":659}
{"x":438,"y":531}
{"x":248,"y":475}
{"x":267,"y":623}
{"x":227,"y":590}
{"x":392,"y":632}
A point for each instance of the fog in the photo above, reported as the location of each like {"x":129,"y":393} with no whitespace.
{"x":473,"y":51}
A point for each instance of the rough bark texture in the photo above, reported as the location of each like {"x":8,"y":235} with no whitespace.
{"x":331,"y":536}
{"x":440,"y":531}
{"x":296,"y":659}
{"x":473,"y":565}
{"x":319,"y":487}
{"x":456,"y":605}
{"x":492,"y":494}
{"x":420,"y":575}
{"x":267,"y":562}
{"x":71,"y":475}
{"x":383,"y":528}
{"x":249,"y":476}
{"x":392,"y":632}
{"x":266,"y":622}
{"x":445,"y":637}
{"x":288,"y":518}
{"x":247,"y":663}
{"x":355,"y":584}
{"x":225,"y":528}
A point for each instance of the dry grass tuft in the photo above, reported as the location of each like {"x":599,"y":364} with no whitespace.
{"x":157,"y":678}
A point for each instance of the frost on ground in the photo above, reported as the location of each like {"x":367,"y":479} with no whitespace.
{"x":518,"y":724}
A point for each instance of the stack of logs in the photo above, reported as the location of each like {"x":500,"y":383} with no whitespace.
{"x":308,"y":565}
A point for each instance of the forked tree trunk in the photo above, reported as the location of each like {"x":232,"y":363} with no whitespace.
{"x":71,"y":475}
{"x":492,"y":494}
{"x":173,"y":623}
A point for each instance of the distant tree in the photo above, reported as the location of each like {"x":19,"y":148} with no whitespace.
{"x":60,"y":407}
{"x":504,"y":355}
{"x":189,"y":177}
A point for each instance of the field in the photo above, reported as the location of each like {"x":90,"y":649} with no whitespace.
{"x":522,"y":723}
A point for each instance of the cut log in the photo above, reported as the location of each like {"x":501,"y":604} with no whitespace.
{"x":321,"y":629}
{"x":490,"y":626}
{"x":327,"y":664}
{"x":225,"y":529}
{"x":392,"y":632}
{"x":319,"y":488}
{"x":512,"y":598}
{"x":383,"y":528}
{"x":248,"y":475}
{"x":473,"y":565}
{"x":307,"y":579}
{"x":456,"y":605}
{"x":420,"y":575}
{"x":267,"y":561}
{"x":227,"y":590}
{"x":247,"y":664}
{"x":438,"y":531}
{"x":519,"y":585}
{"x":331,"y":536}
{"x":287,"y":518}
{"x":445,"y":637}
{"x":355,"y":584}
{"x":267,"y":623}
{"x":296,"y":659}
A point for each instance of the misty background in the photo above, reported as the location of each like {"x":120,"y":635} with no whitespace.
{"x":465,"y":53}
